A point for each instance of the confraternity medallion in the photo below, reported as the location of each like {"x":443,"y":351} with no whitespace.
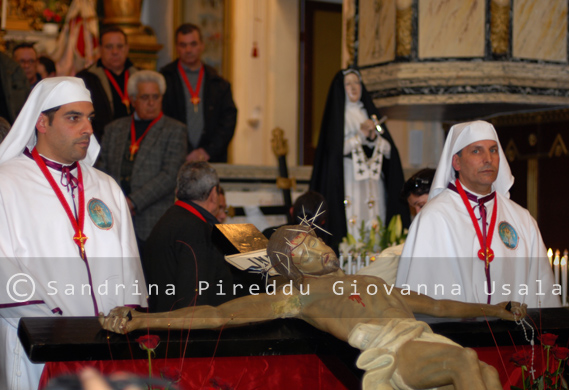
{"x":508,"y":235}
{"x":100,"y":214}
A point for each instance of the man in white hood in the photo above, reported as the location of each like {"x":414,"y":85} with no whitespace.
{"x":471,"y":242}
{"x":67,"y":245}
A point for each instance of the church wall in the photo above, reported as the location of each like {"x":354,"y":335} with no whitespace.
{"x":265,"y":88}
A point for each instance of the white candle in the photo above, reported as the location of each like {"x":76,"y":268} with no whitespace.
{"x":367,"y":261}
{"x":359,"y":263}
{"x":564,"y":279}
{"x":4,"y":12}
{"x":550,"y":256}
{"x":556,"y":267}
{"x":349,"y":266}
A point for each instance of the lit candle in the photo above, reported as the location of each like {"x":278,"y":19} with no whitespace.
{"x":556,"y":267}
{"x":550,"y":256}
{"x":367,"y":261}
{"x":564,"y":279}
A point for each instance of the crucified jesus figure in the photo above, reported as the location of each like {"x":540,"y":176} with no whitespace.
{"x":397,"y":350}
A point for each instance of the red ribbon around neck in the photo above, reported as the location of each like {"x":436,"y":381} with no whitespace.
{"x":485,"y":253}
{"x":135,"y":143}
{"x":79,"y":238}
{"x":195,"y":95}
{"x":122,"y":93}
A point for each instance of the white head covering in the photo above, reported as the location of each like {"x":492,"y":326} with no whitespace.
{"x":460,"y":136}
{"x":48,"y":93}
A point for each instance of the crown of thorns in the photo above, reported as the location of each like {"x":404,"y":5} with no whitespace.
{"x":310,"y":224}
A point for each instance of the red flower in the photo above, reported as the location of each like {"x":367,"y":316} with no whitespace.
{"x":57,"y":18}
{"x":548,"y":339}
{"x":148,"y":342}
{"x":521,"y":359}
{"x":560,"y":353}
{"x":171,"y":373}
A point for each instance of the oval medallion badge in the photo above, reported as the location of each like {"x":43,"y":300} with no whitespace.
{"x":100,"y":214}
{"x":508,"y":235}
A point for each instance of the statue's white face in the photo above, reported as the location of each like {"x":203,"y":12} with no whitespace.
{"x":311,"y":256}
{"x":353,"y":87}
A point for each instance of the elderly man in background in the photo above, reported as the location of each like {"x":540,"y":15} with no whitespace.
{"x":107,"y":79}
{"x":68,"y":247}
{"x":25,"y":55}
{"x":143,"y":152}
{"x":200,"y":98}
{"x":180,"y":251}
{"x":458,"y":247}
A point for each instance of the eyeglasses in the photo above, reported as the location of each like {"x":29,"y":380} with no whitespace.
{"x":418,"y":182}
{"x":27,"y":62}
{"x":146,"y":98}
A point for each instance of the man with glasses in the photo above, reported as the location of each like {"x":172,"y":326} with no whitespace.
{"x":107,"y":79}
{"x":470,"y":242}
{"x":25,"y":55}
{"x":179,"y":256}
{"x":144,"y":151}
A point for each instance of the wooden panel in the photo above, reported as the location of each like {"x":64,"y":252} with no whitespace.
{"x":376,"y":32}
{"x":451,"y":28}
{"x":540,"y":30}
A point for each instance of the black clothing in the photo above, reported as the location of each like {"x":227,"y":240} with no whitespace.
{"x":106,"y":101}
{"x":179,"y":254}
{"x":220,"y":116}
{"x":14,"y":88}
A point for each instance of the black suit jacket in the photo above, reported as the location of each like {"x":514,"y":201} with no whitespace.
{"x":220,"y":116}
{"x":180,"y":253}
{"x":153,"y":181}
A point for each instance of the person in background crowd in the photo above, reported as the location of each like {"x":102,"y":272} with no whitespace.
{"x":200,"y":98}
{"x":25,"y":55}
{"x":416,"y":190}
{"x":107,"y":79}
{"x":144,"y":152}
{"x":46,"y":67}
{"x":179,"y":252}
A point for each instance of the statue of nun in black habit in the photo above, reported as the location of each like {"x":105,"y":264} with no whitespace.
{"x":356,"y":168}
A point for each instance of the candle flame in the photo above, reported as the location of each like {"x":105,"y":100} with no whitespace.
{"x":549,"y":252}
